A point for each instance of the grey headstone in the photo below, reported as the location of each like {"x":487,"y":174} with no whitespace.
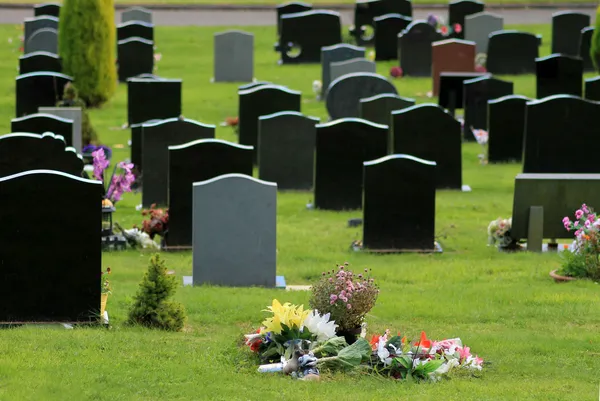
{"x":33,"y":24}
{"x":71,"y":113}
{"x":479,"y":26}
{"x":234,"y":231}
{"x":343,"y":97}
{"x":137,"y":14}
{"x":378,"y":109}
{"x":286,"y":149}
{"x":43,"y":40}
{"x":535,"y":229}
{"x":352,"y":66}
{"x":336,"y":53}
{"x":234,"y":56}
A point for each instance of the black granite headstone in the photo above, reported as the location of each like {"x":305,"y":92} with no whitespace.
{"x":512,"y":53}
{"x":557,"y":129}
{"x":387,"y":28}
{"x":47,"y":9}
{"x":261,"y":101}
{"x":476,"y":93}
{"x":585,"y":43}
{"x":253,"y":85}
{"x":30,"y":25}
{"x":193,"y":162}
{"x":333,"y":54}
{"x":343,"y":97}
{"x":566,"y":30}
{"x":304,"y":34}
{"x":42,"y":40}
{"x":39,"y":89}
{"x":559,"y":75}
{"x":149,"y":99}
{"x":506,"y":125}
{"x":286,"y":150}
{"x":414,"y":48}
{"x":458,"y":10}
{"x":21,"y":152}
{"x":50,"y":275}
{"x":378,"y":109}
{"x":38,"y":62}
{"x":342,"y":147}
{"x":135,"y":57}
{"x":290,"y":8}
{"x":136,"y":144}
{"x":592,"y":88}
{"x":40,"y":123}
{"x":156,"y":139}
{"x":135,"y":29}
{"x":399,"y":204}
{"x":428,"y":132}
{"x":451,"y":88}
{"x":365,"y":11}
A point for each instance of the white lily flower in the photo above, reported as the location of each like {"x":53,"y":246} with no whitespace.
{"x":383,"y":353}
{"x":320,"y":326}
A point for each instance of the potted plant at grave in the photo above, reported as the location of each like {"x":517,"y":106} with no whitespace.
{"x":105,"y":290}
{"x":157,"y":222}
{"x":582,"y":258}
{"x":347,"y":297}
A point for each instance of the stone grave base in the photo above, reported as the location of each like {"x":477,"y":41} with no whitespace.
{"x":545,"y":248}
{"x":167,"y":248}
{"x":358,"y":247}
{"x":279,"y":282}
{"x":66,"y":325}
{"x":115,"y":242}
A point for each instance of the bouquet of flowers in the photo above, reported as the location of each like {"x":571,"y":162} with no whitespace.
{"x":438,"y":23}
{"x":583,"y":260}
{"x":499,"y":232}
{"x":157,"y":223}
{"x":120,"y":181}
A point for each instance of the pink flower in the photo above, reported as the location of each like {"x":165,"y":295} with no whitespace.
{"x":333,"y":298}
{"x":348,"y":306}
{"x":457,"y":28}
{"x":464,"y":353}
{"x":578,"y":232}
{"x":585,"y":208}
{"x":576,"y":224}
{"x":587,"y":224}
{"x":578,"y":214}
{"x":478,"y":360}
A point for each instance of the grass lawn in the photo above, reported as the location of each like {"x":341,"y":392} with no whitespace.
{"x":540,"y":338}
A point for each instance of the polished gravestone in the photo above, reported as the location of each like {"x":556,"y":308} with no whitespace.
{"x":352,"y":66}
{"x":557,"y":75}
{"x":39,"y":89}
{"x":343,"y":97}
{"x":566,"y":30}
{"x":478,"y":28}
{"x":414,"y":48}
{"x":451,"y":88}
{"x":512,"y":53}
{"x":41,"y":123}
{"x":585,"y":43}
{"x":378,"y":109}
{"x":290,"y":8}
{"x":252,"y":85}
{"x":592,"y":88}
{"x":235,"y":231}
{"x":387,"y":28}
{"x":156,"y":138}
{"x":476,"y":93}
{"x":193,"y":162}
{"x":43,"y":40}
{"x":46,"y":9}
{"x":136,"y":144}
{"x":336,"y":53}
{"x":399,"y":204}
{"x":63,"y":267}
{"x":429,"y":132}
{"x":137,"y":14}
{"x":286,"y":149}
{"x":135,"y":57}
{"x":342,"y":147}
{"x":135,"y":29}
{"x":304,"y":34}
{"x":234,"y":56}
{"x":30,"y":25}
{"x":556,"y":129}
{"x":506,"y":125}
{"x":71,"y":113}
{"x":451,"y":55}
{"x":261,"y":101}
{"x":38,"y":62}
{"x":459,"y":10}
{"x":365,"y":11}
{"x":21,"y":152}
{"x":149,"y":99}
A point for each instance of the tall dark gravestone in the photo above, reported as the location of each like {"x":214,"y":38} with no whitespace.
{"x":194,"y":162}
{"x":261,"y":101}
{"x":428,"y":132}
{"x":451,"y":88}
{"x":149,"y":99}
{"x":136,"y":144}
{"x":387,"y":28}
{"x":559,"y":75}
{"x":39,"y":89}
{"x":156,"y":139}
{"x":378,"y":109}
{"x":304,"y":34}
{"x":395,"y":188}
{"x":21,"y":152}
{"x":40,"y":123}
{"x":342,"y":147}
{"x":414,"y":48}
{"x":30,"y":25}
{"x":135,"y":57}
{"x":135,"y":29}
{"x":365,"y":11}
{"x":557,"y":128}
{"x":47,"y":9}
{"x":50,"y":278}
{"x":458,"y":10}
{"x":592,"y":88}
{"x":38,"y":62}
{"x":286,"y":149}
{"x":506,"y":125}
{"x":566,"y":30}
{"x":336,"y":53}
{"x":476,"y":94}
{"x":512,"y":53}
{"x":290,"y":8}
{"x":585,"y":43}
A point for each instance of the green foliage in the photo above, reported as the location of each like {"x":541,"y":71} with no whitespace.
{"x":580,"y":265}
{"x":71,"y":99}
{"x":595,"y":46}
{"x":86,"y":43}
{"x":151,"y":307}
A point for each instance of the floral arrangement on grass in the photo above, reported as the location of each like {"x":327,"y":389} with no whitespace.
{"x":157,"y":222}
{"x":438,"y":23}
{"x":232,"y":122}
{"x":396,"y":72}
{"x":499,"y":233}
{"x":482,"y":137}
{"x":583,"y":259}
{"x":481,"y":62}
{"x":105,"y":287}
{"x":120,"y":181}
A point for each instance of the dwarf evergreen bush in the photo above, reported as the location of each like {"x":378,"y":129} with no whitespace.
{"x":595,"y":46}
{"x":87,"y":43}
{"x":151,"y":307}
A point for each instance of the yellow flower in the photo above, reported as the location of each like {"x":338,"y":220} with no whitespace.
{"x":286,"y":314}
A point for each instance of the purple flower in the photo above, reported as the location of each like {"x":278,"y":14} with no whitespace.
{"x":100,"y":163}
{"x":432,"y":20}
{"x":578,"y":214}
{"x":585,"y":208}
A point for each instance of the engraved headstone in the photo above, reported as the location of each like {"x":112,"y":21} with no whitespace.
{"x":135,"y":29}
{"x":42,"y":123}
{"x":46,"y":9}
{"x":476,"y":94}
{"x":39,"y":89}
{"x":38,"y":62}
{"x":73,"y":114}
{"x":234,"y":56}
{"x":414,"y":48}
{"x":378,"y":109}
{"x":512,"y":53}
{"x":365,"y":11}
{"x":43,"y":40}
{"x":387,"y":28}
{"x":333,"y":54}
{"x":137,"y":14}
{"x":135,"y":57}
{"x":479,"y":26}
{"x":149,"y":99}
{"x":136,"y":144}
{"x":290,"y":8}
{"x":506,"y":125}
{"x":353,"y":66}
{"x":566,"y":30}
{"x":451,"y":55}
{"x":30,"y":25}
{"x":557,"y":74}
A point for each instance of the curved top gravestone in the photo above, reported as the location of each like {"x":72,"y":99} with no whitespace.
{"x":344,"y":94}
{"x":291,"y":8}
{"x":511,"y":52}
{"x":336,"y":53}
{"x":33,"y":24}
{"x":39,"y":89}
{"x":366,"y":10}
{"x":43,"y":40}
{"x":566,"y":31}
{"x":40,"y":123}
{"x":24,"y":151}
{"x":137,"y":14}
{"x":458,"y":10}
{"x":39,"y":61}
{"x":46,"y":9}
{"x":253,"y":85}
{"x":131,"y":29}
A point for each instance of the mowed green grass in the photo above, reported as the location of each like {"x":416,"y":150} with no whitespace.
{"x":540,"y":338}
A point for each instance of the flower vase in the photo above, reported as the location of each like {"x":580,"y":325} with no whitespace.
{"x":351,"y":335}
{"x":103,"y":300}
